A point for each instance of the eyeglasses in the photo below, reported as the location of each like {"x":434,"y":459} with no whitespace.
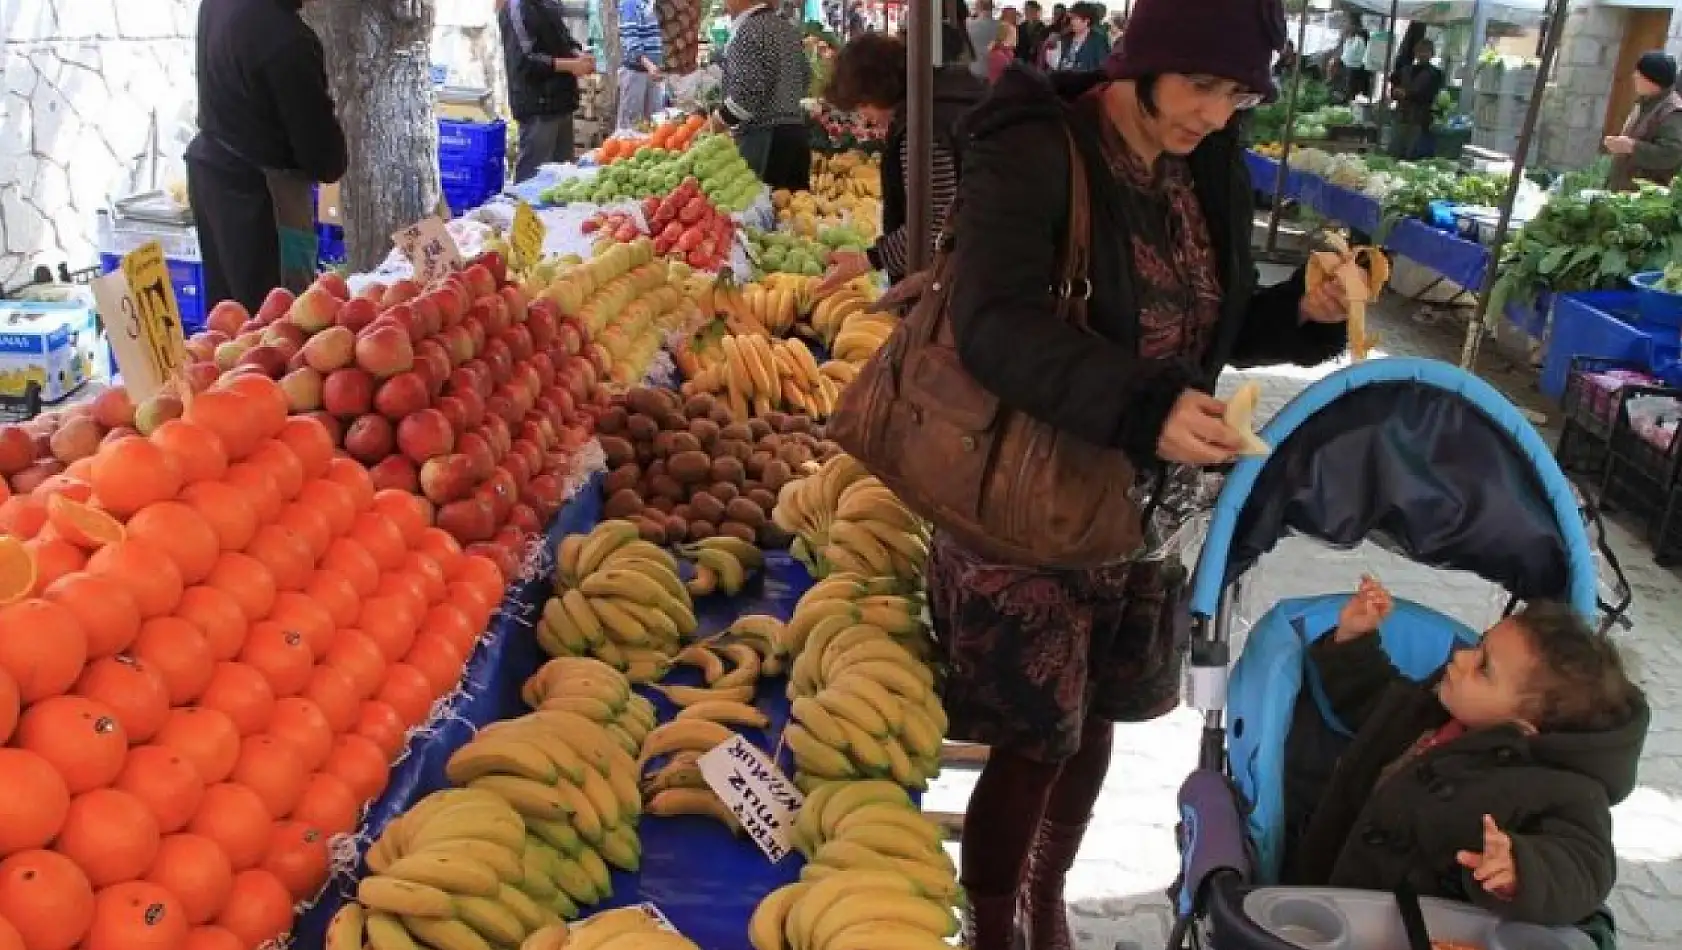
{"x":1237,"y":96}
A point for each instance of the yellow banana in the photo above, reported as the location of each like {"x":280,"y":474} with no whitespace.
{"x":396,"y":896}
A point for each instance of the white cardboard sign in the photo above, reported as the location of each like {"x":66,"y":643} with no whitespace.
{"x":755,"y":791}
{"x":428,"y":246}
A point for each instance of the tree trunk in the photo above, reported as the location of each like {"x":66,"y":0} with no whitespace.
{"x":609,"y":119}
{"x":379,"y":66}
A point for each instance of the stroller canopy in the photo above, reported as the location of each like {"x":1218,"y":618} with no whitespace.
{"x":1419,"y":455}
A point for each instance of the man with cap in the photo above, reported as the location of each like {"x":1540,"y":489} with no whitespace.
{"x":1650,"y":147}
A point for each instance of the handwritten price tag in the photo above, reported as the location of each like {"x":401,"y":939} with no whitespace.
{"x":428,"y":246}
{"x":755,"y":791}
{"x":527,"y":236}
{"x":142,"y":320}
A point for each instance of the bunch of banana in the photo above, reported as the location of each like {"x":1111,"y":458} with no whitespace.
{"x":806,"y":506}
{"x":759,"y":375}
{"x":860,"y":335}
{"x":878,"y":717}
{"x":844,"y":519}
{"x":677,"y":787}
{"x":596,"y":691}
{"x":623,"y":928}
{"x":458,"y":870}
{"x":844,"y":599}
{"x":774,"y":304}
{"x":618,"y":599}
{"x":831,"y":314}
{"x":722,"y":563}
{"x":854,"y":909}
{"x":730,"y":671}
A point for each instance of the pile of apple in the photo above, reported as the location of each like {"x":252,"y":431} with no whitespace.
{"x":464,"y":391}
{"x":34,"y":451}
{"x":687,"y":224}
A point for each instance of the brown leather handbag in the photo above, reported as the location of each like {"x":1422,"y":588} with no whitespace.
{"x":1008,"y":487}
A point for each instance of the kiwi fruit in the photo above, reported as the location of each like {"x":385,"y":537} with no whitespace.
{"x":704,"y":507}
{"x":665,"y":486}
{"x":775,"y":421}
{"x":746,"y":511}
{"x":663,"y":444}
{"x":732,"y":448}
{"x":663,"y":506}
{"x":612,"y":421}
{"x":757,"y":462}
{"x":721,"y":415}
{"x":737,"y":432}
{"x":684,"y":441}
{"x":690,"y":467}
{"x":618,"y":451}
{"x":738,"y":530}
{"x":725,"y":469}
{"x":699,"y":529}
{"x":623,"y":503}
{"x":648,"y":401}
{"x":698,"y":406}
{"x":650,"y":530}
{"x":776,"y":474}
{"x":641,"y":428}
{"x":705,"y":431}
{"x":725,"y":492}
{"x":625,"y":476}
{"x":682,"y":511}
{"x":759,"y":429}
{"x":676,"y":529}
{"x":764,"y":498}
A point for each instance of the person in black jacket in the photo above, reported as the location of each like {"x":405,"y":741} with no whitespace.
{"x":267,"y":134}
{"x":543,"y":61}
{"x":1043,"y":662}
{"x":1415,"y":91}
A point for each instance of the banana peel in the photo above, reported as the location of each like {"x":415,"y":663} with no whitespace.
{"x":1363,"y":272}
{"x":1240,"y":418}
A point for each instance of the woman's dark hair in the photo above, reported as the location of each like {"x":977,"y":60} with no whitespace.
{"x":869,"y":71}
{"x":1144,"y":89}
{"x":1086,"y":11}
{"x":1579,"y":684}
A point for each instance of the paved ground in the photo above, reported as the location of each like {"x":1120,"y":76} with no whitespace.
{"x":1129,"y":858}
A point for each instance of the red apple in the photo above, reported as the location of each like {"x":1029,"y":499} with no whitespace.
{"x":425,"y":435}
{"x":401,"y":395}
{"x":447,"y":479}
{"x":227,"y":317}
{"x":357,"y":314}
{"x":275,"y":305}
{"x":395,"y":471}
{"x":469,"y":520}
{"x":477,"y":449}
{"x":348,"y":392}
{"x":384,"y":351}
{"x":455,"y":411}
{"x":369,"y":439}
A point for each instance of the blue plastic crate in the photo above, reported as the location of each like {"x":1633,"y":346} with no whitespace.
{"x":331,"y":239}
{"x":1593,"y":323}
{"x":472,"y":143}
{"x":489,"y":176}
{"x":462,"y":199}
{"x":187,"y":278}
{"x":1658,"y":308}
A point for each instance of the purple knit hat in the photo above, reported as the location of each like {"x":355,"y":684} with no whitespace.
{"x":1231,"y":39}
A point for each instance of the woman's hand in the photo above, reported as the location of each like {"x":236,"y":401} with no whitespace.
{"x":1328,"y":303}
{"x":843,"y":266}
{"x":1196,"y":433}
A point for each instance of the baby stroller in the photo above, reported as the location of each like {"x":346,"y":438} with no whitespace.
{"x":1437,"y":466}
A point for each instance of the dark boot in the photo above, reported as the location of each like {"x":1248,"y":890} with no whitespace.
{"x":990,"y":922}
{"x":1042,"y":907}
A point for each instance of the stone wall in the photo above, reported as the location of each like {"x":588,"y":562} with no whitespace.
{"x":98,"y":102}
{"x":1574,"y":110}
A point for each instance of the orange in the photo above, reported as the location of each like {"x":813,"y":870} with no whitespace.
{"x":381,"y":537}
{"x":380,"y":724}
{"x":131,"y":473}
{"x":247,"y":581}
{"x":65,"y":484}
{"x":22,"y":516}
{"x":265,"y":403}
{"x":336,"y":595}
{"x":450,"y":622}
{"x":309,"y":524}
{"x":471,"y":600}
{"x":180,"y":531}
{"x":197,"y":450}
{"x":356,"y":655}
{"x":352,"y":561}
{"x":178,"y":652}
{"x":310,"y":441}
{"x":259,"y":909}
{"x":483,"y":573}
{"x":298,"y":858}
{"x":166,"y":781}
{"x":109,"y":617}
{"x":47,"y":898}
{"x":333,"y":692}
{"x":236,"y":819}
{"x":82,"y":525}
{"x":134,"y":691}
{"x":438,"y":660}
{"x":408,"y":512}
{"x":80,"y":737}
{"x":136,"y":915}
{"x":205,"y":737}
{"x":351,"y":474}
{"x":444,"y":550}
{"x":329,"y":804}
{"x":227,"y":509}
{"x":296,"y":611}
{"x":285,"y":554}
{"x":301,"y":722}
{"x":195,"y":870}
{"x":225,"y":414}
{"x":333,"y":500}
{"x":36,"y":801}
{"x":391,"y":623}
{"x":10,"y":939}
{"x":283,"y":465}
{"x":110,"y":834}
{"x":409,"y":692}
{"x":243,"y":693}
{"x":212,"y":938}
{"x":281,"y":654}
{"x":81,"y":470}
{"x":269,"y":766}
{"x":10,"y":706}
{"x":53,"y":558}
{"x":218,"y":616}
{"x":17,"y":570}
{"x":360,"y":763}
{"x":261,"y":490}
{"x":411,"y":590}
{"x":426,"y":570}
{"x":145,"y":569}
{"x":42,"y":647}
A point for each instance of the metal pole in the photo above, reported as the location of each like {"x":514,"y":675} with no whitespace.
{"x":1474,"y":331}
{"x":1389,"y":53}
{"x":919,"y":129}
{"x":1285,"y":145}
{"x":1474,"y":48}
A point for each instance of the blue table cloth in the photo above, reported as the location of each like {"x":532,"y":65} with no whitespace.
{"x":1457,"y":259}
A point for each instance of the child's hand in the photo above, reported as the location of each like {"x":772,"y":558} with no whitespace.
{"x":1365,"y":611}
{"x":1494,"y":867}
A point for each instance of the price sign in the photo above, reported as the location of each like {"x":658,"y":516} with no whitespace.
{"x":756,"y":792}
{"x":428,"y":246}
{"x":527,"y":236}
{"x":142,"y":320}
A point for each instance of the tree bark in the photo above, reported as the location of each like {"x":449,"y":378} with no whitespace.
{"x":379,"y":66}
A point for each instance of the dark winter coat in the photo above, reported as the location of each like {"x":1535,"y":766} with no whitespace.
{"x":1013,"y":203}
{"x":956,"y":92}
{"x":530,"y":46}
{"x":1655,"y":124}
{"x":1551,"y":792}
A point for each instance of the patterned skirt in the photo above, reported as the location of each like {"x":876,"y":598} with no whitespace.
{"x":1033,"y":653}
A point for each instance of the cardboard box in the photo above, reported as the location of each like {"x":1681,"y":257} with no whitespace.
{"x":54,"y":345}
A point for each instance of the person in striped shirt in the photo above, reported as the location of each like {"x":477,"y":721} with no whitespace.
{"x":639,"y":62}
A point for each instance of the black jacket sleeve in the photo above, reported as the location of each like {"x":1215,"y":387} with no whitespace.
{"x":1011,"y":217}
{"x":297,"y":79}
{"x":1565,"y":866}
{"x":1355,"y":675}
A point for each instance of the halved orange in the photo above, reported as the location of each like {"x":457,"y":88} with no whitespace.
{"x":17,"y":570}
{"x":83,"y":525}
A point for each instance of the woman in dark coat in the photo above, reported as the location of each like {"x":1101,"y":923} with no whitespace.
{"x":1043,"y":662}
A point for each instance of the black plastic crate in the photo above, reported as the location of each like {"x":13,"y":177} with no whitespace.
{"x":1641,"y":472}
{"x":1591,"y":412}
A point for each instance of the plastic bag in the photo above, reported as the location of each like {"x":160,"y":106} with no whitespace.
{"x":1654,"y":419}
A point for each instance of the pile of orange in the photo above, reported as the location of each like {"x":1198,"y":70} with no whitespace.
{"x":213,"y":643}
{"x":674,"y":136}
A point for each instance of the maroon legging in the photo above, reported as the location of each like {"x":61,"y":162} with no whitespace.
{"x":1014,"y":794}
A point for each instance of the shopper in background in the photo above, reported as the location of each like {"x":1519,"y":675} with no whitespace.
{"x":639,"y":62}
{"x":857,"y":25}
{"x":1058,"y":35}
{"x":1353,"y":58}
{"x":765,"y":77}
{"x":1650,"y":146}
{"x":543,"y":60}
{"x":1031,"y":33}
{"x":1044,"y":661}
{"x":1415,"y":91}
{"x":869,"y":79}
{"x":1085,"y":48}
{"x":267,"y":134}
{"x":1003,"y":51}
{"x":983,"y":30}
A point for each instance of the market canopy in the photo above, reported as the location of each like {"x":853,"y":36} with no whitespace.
{"x":1518,"y":12}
